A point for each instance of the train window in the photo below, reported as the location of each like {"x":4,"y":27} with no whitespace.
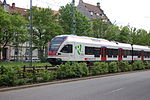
{"x":115,"y":53}
{"x":147,"y":54}
{"x":135,"y":53}
{"x":126,"y":53}
{"x":89,"y":50}
{"x":67,"y":48}
{"x":55,"y":43}
{"x":139,"y":54}
{"x":112,"y":52}
{"x":97,"y":52}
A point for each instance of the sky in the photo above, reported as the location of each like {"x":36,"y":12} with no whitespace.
{"x":134,"y":13}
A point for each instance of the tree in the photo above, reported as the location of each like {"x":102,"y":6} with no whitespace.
{"x":12,"y":29}
{"x":99,"y":28}
{"x":112,"y":33}
{"x":45,"y":27}
{"x":83,"y":24}
{"x":124,"y":35}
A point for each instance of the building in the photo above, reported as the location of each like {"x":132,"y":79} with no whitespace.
{"x":92,"y":11}
{"x":11,"y":52}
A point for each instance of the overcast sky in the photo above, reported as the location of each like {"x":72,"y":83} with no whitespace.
{"x":123,"y":12}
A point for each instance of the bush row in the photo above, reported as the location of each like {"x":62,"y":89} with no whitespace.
{"x":11,"y":76}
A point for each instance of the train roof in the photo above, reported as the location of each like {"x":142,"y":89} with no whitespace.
{"x":103,"y":42}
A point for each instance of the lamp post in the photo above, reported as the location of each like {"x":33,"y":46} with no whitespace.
{"x":73,"y":18}
{"x":132,"y":52}
{"x":30,"y":40}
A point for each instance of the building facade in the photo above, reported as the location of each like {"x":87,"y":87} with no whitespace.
{"x":11,"y":52}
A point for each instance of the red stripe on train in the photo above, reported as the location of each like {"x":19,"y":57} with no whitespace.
{"x":52,"y":53}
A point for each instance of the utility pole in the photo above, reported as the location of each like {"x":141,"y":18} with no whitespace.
{"x":30,"y":40}
{"x":73,"y":18}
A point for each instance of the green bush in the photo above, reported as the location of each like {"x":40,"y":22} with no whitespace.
{"x":113,"y":67}
{"x":9,"y":75}
{"x":45,"y":76}
{"x":138,"y":65}
{"x":68,"y":70}
{"x":99,"y":68}
{"x":147,"y":65}
{"x":124,"y":66}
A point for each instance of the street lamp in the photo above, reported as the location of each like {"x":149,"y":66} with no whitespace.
{"x":132,"y":52}
{"x":30,"y":40}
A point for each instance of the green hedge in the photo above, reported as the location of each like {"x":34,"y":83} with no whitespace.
{"x":68,"y":70}
{"x":113,"y":67}
{"x":12,"y":76}
{"x":99,"y":68}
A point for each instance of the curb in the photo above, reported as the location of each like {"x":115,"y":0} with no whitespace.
{"x":66,"y":81}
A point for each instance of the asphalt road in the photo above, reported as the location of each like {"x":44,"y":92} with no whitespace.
{"x":134,"y":86}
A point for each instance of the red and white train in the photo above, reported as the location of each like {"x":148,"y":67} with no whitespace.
{"x":72,"y":48}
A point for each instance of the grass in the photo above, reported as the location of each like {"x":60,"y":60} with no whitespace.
{"x":20,"y":64}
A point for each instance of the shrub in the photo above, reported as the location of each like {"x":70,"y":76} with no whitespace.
{"x":72,"y":70}
{"x":45,"y":76}
{"x":9,"y":75}
{"x":147,"y":65}
{"x":124,"y":66}
{"x":113,"y":67}
{"x":137,"y":65}
{"x":99,"y":68}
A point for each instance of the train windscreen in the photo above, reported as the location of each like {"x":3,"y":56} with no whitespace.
{"x":55,"y":43}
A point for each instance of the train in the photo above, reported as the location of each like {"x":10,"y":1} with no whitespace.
{"x":73,"y":48}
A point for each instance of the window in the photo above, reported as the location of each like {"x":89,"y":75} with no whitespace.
{"x":97,"y":52}
{"x":55,"y":43}
{"x":16,"y":51}
{"x":147,"y":54}
{"x":135,"y":53}
{"x":89,"y":50}
{"x":126,"y":53}
{"x":67,"y":48}
{"x":27,"y":52}
{"x":112,"y":52}
{"x":92,"y":51}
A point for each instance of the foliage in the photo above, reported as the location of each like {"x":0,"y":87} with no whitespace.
{"x":13,"y":29}
{"x":45,"y":27}
{"x":83,"y":24}
{"x":99,"y":68}
{"x":147,"y":65}
{"x":138,"y":65}
{"x":21,"y":64}
{"x":45,"y":76}
{"x":113,"y":67}
{"x":68,"y":70}
{"x":124,"y":66}
{"x":9,"y":75}
{"x":99,"y":28}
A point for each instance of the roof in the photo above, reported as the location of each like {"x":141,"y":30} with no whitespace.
{"x":94,"y":10}
{"x":22,"y":11}
{"x":103,"y":42}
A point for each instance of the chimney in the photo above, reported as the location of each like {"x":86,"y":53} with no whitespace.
{"x":4,"y":2}
{"x":98,"y":5}
{"x":13,"y":5}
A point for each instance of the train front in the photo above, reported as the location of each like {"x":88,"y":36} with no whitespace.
{"x":54,"y":46}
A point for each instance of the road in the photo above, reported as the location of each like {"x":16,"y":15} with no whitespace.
{"x":133,"y":86}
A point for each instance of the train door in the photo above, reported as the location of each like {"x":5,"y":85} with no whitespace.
{"x":120,"y":52}
{"x":67,"y":52}
{"x":142,"y":55}
{"x":103,"y":53}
